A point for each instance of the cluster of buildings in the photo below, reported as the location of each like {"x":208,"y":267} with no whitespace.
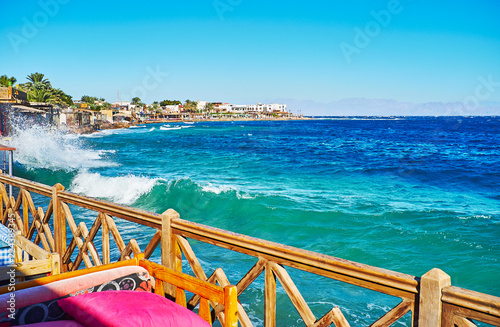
{"x":126,"y":111}
{"x":14,"y":104}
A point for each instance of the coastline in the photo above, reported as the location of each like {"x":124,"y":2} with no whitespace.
{"x":89,"y":129}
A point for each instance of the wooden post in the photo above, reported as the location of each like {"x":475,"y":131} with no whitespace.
{"x":168,"y":251}
{"x":431,"y":306}
{"x":231,"y":306}
{"x":105,"y":239}
{"x":270,"y":297}
{"x":55,"y":262}
{"x":25,"y":213}
{"x":59,"y":222}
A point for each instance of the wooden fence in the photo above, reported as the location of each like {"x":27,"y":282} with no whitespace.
{"x":430,"y":299}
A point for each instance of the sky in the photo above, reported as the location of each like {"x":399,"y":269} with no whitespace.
{"x":244,"y":52}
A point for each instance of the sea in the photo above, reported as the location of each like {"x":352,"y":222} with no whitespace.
{"x":402,"y":193}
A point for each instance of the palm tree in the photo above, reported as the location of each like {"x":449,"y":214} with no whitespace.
{"x":60,"y":98}
{"x":7,"y":81}
{"x":37,"y":78}
{"x":40,"y":93}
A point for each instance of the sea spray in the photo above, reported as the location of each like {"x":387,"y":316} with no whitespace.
{"x":120,"y":189}
{"x":39,"y":147}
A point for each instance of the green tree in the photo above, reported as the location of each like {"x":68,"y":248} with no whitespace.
{"x":190,"y":106}
{"x":7,"y":81}
{"x":60,"y":98}
{"x":35,"y":78}
{"x":209,"y":107}
{"x":88,"y":99}
{"x":39,"y":92}
{"x":136,"y":100}
{"x":170,"y":103}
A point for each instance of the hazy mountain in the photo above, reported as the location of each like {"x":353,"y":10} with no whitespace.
{"x":387,"y":107}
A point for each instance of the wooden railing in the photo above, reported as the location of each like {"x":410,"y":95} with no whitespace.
{"x":431,"y":299}
{"x":30,"y":260}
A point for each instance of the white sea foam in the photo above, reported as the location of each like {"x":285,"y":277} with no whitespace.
{"x":217,"y":189}
{"x":39,"y":147}
{"x":122,"y":189}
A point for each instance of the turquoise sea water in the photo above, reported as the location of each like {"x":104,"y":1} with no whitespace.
{"x":406,"y":194}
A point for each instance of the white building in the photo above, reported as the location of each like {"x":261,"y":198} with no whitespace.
{"x":172,"y":108}
{"x":201,"y":105}
{"x":277,"y":107}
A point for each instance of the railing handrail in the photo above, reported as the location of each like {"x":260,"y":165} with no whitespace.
{"x":477,"y":301}
{"x":382,"y":280}
{"x":299,"y":258}
{"x":431,"y":298}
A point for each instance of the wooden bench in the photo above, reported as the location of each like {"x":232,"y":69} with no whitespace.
{"x":87,"y":280}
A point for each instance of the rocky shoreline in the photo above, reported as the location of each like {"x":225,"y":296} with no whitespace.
{"x":89,"y":129}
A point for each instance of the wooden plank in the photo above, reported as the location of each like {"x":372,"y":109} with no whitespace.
{"x":270,"y":297}
{"x":191,"y":257}
{"x":230,"y":306}
{"x":17,"y":204}
{"x":132,"y":247}
{"x":89,"y":238}
{"x":46,"y":231}
{"x":313,"y":263}
{"x":115,"y":233}
{"x":34,"y":213}
{"x":251,"y":275}
{"x":195,"y":299}
{"x":151,"y":247}
{"x":106,"y":258}
{"x":180,"y":297}
{"x":293,"y":293}
{"x":82,"y":255}
{"x":59,"y":221}
{"x":353,"y":271}
{"x":430,"y":305}
{"x":326,"y":320}
{"x":452,"y":312}
{"x":69,"y":251}
{"x":49,"y":212}
{"x":30,"y":268}
{"x":168,"y":252}
{"x":339,"y":319}
{"x":394,"y":315}
{"x":19,"y":222}
{"x":204,"y":311}
{"x":476,"y":301}
{"x":463,"y":322}
{"x":159,"y":287}
{"x":41,"y":236}
{"x":184,"y":281}
{"x":26,"y":218}
{"x":135,"y":215}
{"x":242,"y":315}
{"x":27,"y":184}
{"x":55,"y":264}
{"x":30,"y":247}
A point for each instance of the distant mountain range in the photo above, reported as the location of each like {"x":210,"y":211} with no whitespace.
{"x":387,"y":107}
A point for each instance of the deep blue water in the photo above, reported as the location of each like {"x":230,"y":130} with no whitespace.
{"x":406,"y":194}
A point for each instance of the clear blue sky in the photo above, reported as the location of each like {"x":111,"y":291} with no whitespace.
{"x":243,"y":51}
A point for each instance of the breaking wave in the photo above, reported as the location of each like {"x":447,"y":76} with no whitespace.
{"x":121,"y":189}
{"x":38,"y":147}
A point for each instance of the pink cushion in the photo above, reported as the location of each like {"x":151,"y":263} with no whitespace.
{"x":128,"y":308}
{"x":59,"y":323}
{"x":64,"y":287}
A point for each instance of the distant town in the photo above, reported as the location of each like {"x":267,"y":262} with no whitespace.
{"x":37,"y":101}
